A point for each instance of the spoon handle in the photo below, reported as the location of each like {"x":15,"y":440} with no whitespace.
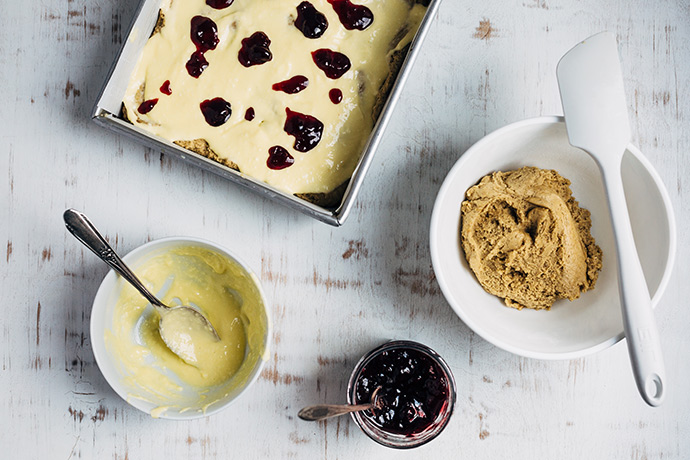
{"x":324,"y":411}
{"x":83,"y":230}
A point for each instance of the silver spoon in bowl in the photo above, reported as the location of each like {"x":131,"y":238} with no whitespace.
{"x":324,"y":411}
{"x":175,"y":322}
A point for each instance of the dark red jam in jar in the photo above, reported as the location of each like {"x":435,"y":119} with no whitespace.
{"x":415,"y":397}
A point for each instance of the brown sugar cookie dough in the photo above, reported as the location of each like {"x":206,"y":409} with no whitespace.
{"x":527,"y":240}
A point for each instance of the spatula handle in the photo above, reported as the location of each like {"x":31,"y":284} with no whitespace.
{"x":641,"y":333}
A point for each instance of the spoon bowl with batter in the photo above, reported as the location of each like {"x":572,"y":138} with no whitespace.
{"x":183,"y":329}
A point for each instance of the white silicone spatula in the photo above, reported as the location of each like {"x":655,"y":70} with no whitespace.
{"x":596,"y":117}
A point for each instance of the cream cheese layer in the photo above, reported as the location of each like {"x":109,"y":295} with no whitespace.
{"x":177,"y":116}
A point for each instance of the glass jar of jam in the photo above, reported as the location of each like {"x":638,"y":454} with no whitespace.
{"x":414,"y":394}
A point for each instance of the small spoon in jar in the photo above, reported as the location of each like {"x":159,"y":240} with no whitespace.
{"x":324,"y":411}
{"x":182,"y":328}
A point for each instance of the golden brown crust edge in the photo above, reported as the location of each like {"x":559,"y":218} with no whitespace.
{"x":328,"y":200}
{"x":201,"y":147}
{"x":160,"y":22}
{"x":395,"y":63}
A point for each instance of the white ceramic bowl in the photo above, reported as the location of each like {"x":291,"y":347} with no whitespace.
{"x":570,"y":329}
{"x":190,"y":403}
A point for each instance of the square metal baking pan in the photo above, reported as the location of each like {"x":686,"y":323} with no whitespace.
{"x":107,"y":109}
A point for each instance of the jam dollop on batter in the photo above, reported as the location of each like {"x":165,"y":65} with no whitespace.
{"x":216,"y":111}
{"x":279,"y":158}
{"x":293,"y":85}
{"x":255,"y":50}
{"x":335,"y":95}
{"x":306,"y":129}
{"x":333,"y":63}
{"x":219,"y":4}
{"x":249,"y":114}
{"x":165,"y":88}
{"x":352,"y":16}
{"x":204,"y":35}
{"x":413,"y":390}
{"x":196,"y":64}
{"x":310,"y":21}
{"x":146,"y":106}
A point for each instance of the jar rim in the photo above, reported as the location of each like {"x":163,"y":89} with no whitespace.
{"x":399,"y":441}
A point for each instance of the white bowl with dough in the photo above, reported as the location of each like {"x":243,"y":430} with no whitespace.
{"x":135,"y":375}
{"x":570,"y":329}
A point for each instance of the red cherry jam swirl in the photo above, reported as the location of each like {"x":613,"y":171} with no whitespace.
{"x":293,"y":85}
{"x":204,"y":35}
{"x":306,"y":129}
{"x":310,"y":21}
{"x":352,"y":16}
{"x":216,"y":111}
{"x":279,"y":158}
{"x":146,"y":106}
{"x":255,"y":50}
{"x":333,"y":63}
{"x":197,"y":64}
{"x":166,"y":89}
{"x":335,"y":95}
{"x":219,"y":4}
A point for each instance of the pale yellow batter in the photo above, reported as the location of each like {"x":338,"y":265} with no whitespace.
{"x":189,"y":335}
{"x":224,"y":293}
{"x":177,"y":117}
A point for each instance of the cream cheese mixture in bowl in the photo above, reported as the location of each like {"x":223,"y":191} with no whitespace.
{"x":568,"y":329}
{"x":134,"y":359}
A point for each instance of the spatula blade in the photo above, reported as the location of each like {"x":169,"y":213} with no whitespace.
{"x":593,"y":97}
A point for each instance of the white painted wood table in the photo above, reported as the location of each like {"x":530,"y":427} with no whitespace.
{"x":335,"y":292}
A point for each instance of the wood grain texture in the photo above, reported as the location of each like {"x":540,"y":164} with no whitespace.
{"x":335,"y":293}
